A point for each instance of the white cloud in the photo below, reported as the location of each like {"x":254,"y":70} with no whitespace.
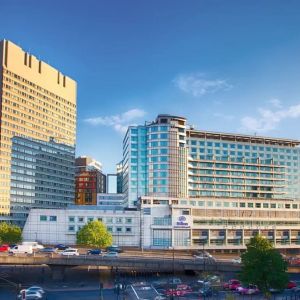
{"x":275,"y":102}
{"x":269,"y":119}
{"x":119,"y":122}
{"x":198,"y":85}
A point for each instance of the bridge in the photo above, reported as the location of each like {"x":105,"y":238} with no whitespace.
{"x":58,"y":263}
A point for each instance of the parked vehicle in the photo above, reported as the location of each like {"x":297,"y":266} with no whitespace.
{"x":70,"y":252}
{"x":26,"y":249}
{"x":111,"y":254}
{"x":206,"y":291}
{"x":30,"y":295}
{"x":175,"y":280}
{"x":4,"y":248}
{"x":180,"y":290}
{"x":94,"y":252}
{"x":61,"y":247}
{"x":48,"y":250}
{"x":236,"y":260}
{"x":35,"y":245}
{"x":114,"y":248}
{"x":291,"y":285}
{"x":248,"y":290}
{"x":35,"y":288}
{"x":232,"y":284}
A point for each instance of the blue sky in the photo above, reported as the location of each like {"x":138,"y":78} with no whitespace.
{"x":229,"y":65}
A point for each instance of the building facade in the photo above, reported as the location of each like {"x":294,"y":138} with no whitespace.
{"x":168,"y":158}
{"x":36,"y":101}
{"x":42,"y":175}
{"x":119,"y":173}
{"x":53,"y":226}
{"x":219,"y":224}
{"x":89,"y":180}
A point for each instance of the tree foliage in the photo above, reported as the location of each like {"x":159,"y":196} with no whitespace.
{"x":94,"y":234}
{"x":10,"y":234}
{"x":263,"y":266}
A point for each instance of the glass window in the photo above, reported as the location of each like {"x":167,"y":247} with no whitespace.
{"x":53,"y":218}
{"x":119,"y":229}
{"x":71,"y":228}
{"x":80,"y":219}
{"x":128,"y":229}
{"x":71,"y":219}
{"x":250,"y":205}
{"x":43,"y":218}
{"x":90,"y":219}
{"x":128,"y":220}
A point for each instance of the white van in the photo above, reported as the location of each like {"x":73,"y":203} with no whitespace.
{"x":35,"y":245}
{"x":27,"y":249}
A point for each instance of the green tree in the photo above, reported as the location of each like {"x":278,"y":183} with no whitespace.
{"x":263,"y":265}
{"x":10,"y":234}
{"x":94,"y":234}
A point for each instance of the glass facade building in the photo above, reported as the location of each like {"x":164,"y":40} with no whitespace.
{"x":168,"y":158}
{"x":42,"y":176}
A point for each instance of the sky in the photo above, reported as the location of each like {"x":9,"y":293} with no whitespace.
{"x":230,"y":66}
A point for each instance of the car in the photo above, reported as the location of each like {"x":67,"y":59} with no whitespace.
{"x":206,"y":291}
{"x":204,"y":256}
{"x":94,"y":252}
{"x":174,"y":280}
{"x":236,"y":260}
{"x":61,"y":247}
{"x":291,"y":285}
{"x":180,"y":290}
{"x":30,"y":295}
{"x":48,"y":250}
{"x":232,"y":284}
{"x":70,"y":252}
{"x":111,"y":254}
{"x":114,"y":248}
{"x":4,"y":248}
{"x":35,"y":288}
{"x":251,"y":289}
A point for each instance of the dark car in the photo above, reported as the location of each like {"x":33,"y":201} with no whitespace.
{"x":61,"y":247}
{"x":114,"y":249}
{"x":94,"y":252}
{"x":206,"y":291}
{"x":48,"y":250}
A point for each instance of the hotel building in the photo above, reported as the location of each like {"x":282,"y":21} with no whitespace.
{"x":36,"y":101}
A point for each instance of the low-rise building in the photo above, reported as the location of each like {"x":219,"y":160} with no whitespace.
{"x":53,"y":226}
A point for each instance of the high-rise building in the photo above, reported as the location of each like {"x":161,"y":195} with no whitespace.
{"x":166,"y":158}
{"x":36,"y":101}
{"x":42,"y":176}
{"x":89,"y":180}
{"x":119,"y":177}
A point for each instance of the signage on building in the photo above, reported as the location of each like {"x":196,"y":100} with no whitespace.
{"x":182,"y":222}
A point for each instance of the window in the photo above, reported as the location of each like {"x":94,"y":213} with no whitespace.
{"x":119,"y":229}
{"x":250,"y":205}
{"x":185,"y":212}
{"x":53,"y":218}
{"x":71,"y":219}
{"x":119,"y":220}
{"x":71,"y":228}
{"x":81,"y":219}
{"x":128,"y":220}
{"x":99,"y":219}
{"x":109,"y":228}
{"x":90,"y":219}
{"x":128,"y":229}
{"x":43,"y":218}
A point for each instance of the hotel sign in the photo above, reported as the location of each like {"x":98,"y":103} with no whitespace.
{"x":182,"y":222}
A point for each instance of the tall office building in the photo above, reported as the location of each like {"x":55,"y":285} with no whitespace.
{"x":166,"y":158}
{"x":89,"y":180}
{"x":36,"y":101}
{"x":42,"y":175}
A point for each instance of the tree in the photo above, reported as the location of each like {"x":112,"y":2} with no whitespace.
{"x":263,"y":266}
{"x":94,"y":234}
{"x":10,"y":234}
